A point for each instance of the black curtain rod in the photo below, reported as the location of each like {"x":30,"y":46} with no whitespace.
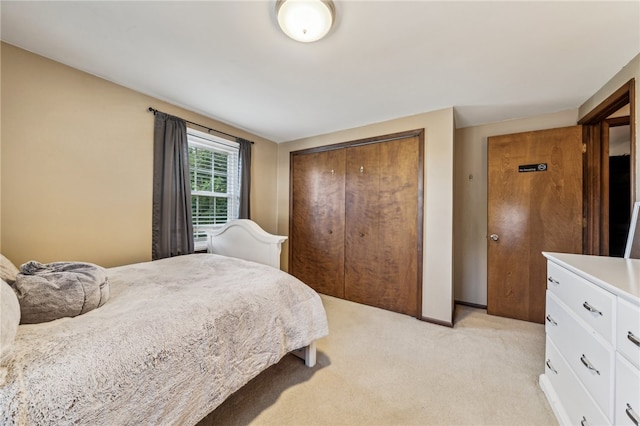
{"x":153,"y":110}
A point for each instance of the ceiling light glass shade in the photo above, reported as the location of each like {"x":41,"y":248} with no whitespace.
{"x":305,"y":20}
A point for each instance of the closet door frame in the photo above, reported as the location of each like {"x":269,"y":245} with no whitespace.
{"x":419,"y":133}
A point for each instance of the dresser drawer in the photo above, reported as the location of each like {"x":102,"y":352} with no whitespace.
{"x":628,"y":331}
{"x":592,"y":304}
{"x":574,"y":399}
{"x":589,"y":356}
{"x":627,"y":405}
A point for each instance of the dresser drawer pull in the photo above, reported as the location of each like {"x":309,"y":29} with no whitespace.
{"x":632,"y":415}
{"x":551,"y":320}
{"x":553,"y":281}
{"x":587,"y":364}
{"x":590,"y":308}
{"x":634,"y":339}
{"x":551,"y":366}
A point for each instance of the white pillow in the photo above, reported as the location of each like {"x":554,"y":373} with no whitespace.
{"x":8,"y":270}
{"x":9,"y":320}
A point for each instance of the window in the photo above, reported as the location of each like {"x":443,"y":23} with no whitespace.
{"x":215,"y":183}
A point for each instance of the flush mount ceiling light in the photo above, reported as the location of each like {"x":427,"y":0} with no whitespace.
{"x":305,"y":20}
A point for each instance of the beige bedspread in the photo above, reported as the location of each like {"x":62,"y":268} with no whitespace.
{"x":176,"y":337}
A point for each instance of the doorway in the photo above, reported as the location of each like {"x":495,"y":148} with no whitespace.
{"x":609,"y":172}
{"x":618,"y":139}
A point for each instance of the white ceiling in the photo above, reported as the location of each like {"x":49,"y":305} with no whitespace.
{"x":228,"y":60}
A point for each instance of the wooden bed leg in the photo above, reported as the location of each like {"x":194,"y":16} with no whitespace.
{"x":308,"y":354}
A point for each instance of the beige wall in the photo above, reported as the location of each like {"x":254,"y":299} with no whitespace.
{"x":631,"y":70}
{"x":76,"y":165}
{"x":470,"y":217}
{"x":437,"y":294}
{"x":470,"y":201}
{"x":76,"y":158}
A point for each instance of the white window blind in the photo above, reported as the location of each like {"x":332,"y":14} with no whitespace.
{"x":215,"y":182}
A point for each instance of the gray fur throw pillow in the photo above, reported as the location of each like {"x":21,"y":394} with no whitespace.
{"x":61,"y":289}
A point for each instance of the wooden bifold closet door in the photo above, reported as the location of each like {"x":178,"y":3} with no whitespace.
{"x":317,"y":221}
{"x":356,"y":221}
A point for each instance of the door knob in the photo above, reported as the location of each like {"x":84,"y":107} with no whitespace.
{"x":494,"y":237}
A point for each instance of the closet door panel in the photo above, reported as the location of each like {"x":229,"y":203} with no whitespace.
{"x":399,"y":224}
{"x":362,"y":262}
{"x":317,"y":223}
{"x":382,"y":225}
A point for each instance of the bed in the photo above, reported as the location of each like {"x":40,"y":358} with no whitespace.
{"x":175,"y":339}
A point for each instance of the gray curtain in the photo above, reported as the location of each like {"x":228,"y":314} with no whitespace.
{"x":172,"y":227}
{"x":244,"y":163}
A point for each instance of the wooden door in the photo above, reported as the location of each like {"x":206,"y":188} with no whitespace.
{"x":317,"y":222}
{"x":382,"y":225}
{"x":534,"y":205}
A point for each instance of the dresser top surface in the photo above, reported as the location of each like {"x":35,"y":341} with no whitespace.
{"x":617,"y":275}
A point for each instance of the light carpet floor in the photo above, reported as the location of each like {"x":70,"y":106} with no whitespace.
{"x":382,"y":368}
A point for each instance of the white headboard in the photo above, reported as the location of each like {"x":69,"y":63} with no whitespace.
{"x":244,"y":239}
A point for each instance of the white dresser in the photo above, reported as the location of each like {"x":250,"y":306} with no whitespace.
{"x":592,"y":366}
